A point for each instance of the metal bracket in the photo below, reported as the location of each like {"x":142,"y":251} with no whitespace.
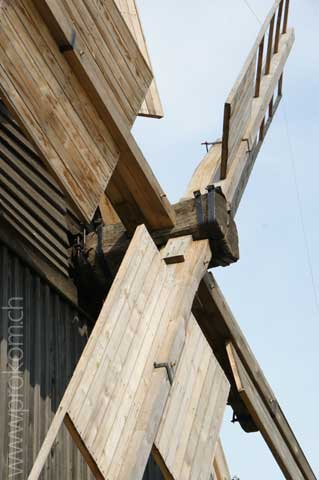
{"x":199,"y":207}
{"x":69,"y":46}
{"x":211,"y":204}
{"x":248,"y":146}
{"x":211,"y":144}
{"x":169,"y":370}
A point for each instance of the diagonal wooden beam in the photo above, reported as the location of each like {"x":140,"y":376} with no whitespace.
{"x":63,"y":97}
{"x":192,"y":218}
{"x":220,"y":467}
{"x":188,"y":434}
{"x":133,"y":189}
{"x":239,"y":170}
{"x":220,"y":326}
{"x":152,"y":106}
{"x":263,"y":418}
{"x":116,"y":397}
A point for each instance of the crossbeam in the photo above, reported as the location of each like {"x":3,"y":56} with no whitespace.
{"x":193,"y":217}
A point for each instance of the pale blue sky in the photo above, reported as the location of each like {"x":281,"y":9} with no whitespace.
{"x":197,"y":49}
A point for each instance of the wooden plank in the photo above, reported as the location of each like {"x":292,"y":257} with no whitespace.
{"x":219,"y":325}
{"x":262,"y":417}
{"x":108,"y":53}
{"x":209,"y":169}
{"x":189,"y":429}
{"x":222,"y":233}
{"x":259,"y":67}
{"x":220,"y":464}
{"x":278,"y":26}
{"x":30,"y":255}
{"x":236,"y":116}
{"x":115,"y":392}
{"x":240,"y":98}
{"x":152,"y":106}
{"x":270,"y":45}
{"x":108,"y":214}
{"x":133,"y":189}
{"x":80,"y":160}
{"x":233,"y":187}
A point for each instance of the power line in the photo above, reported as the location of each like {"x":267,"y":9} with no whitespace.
{"x":298,"y":195}
{"x":300,"y":209}
{"x":252,"y":11}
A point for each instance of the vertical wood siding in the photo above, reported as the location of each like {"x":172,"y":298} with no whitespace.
{"x":54,"y":335}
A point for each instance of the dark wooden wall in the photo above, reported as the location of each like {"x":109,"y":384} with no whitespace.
{"x":46,"y":343}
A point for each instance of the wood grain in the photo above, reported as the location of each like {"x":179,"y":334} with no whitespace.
{"x":38,"y":85}
{"x":152,"y":106}
{"x":262,"y":417}
{"x":189,"y":429}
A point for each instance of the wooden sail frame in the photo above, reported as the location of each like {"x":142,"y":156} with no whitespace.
{"x":144,"y":390}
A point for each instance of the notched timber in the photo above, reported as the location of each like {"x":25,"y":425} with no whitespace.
{"x":221,"y":232}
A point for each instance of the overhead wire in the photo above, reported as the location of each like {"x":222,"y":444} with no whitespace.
{"x":252,"y":11}
{"x":300,"y":208}
{"x":298,"y":194}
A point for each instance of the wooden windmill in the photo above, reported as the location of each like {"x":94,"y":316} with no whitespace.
{"x":81,"y":208}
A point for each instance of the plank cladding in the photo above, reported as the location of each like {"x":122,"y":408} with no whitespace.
{"x":52,"y":336}
{"x":30,"y":199}
{"x":38,"y":85}
{"x":52,"y":339}
{"x":152,"y":106}
{"x":188,"y":434}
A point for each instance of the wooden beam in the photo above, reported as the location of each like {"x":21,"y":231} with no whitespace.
{"x":115,"y":392}
{"x":220,"y":464}
{"x":116,"y":73}
{"x":263,"y":418}
{"x":133,"y":189}
{"x":237,"y":114}
{"x":39,"y":87}
{"x":152,"y":106}
{"x":189,"y":429}
{"x":221,"y":231}
{"x":238,"y":174}
{"x":219,"y":326}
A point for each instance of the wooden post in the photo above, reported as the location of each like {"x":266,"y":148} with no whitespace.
{"x":259,"y":66}
{"x":278,"y":26}
{"x":270,"y":45}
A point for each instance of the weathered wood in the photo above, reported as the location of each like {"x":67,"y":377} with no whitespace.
{"x":152,"y":106}
{"x":238,"y":105}
{"x":237,"y":113}
{"x":81,"y":446}
{"x":16,"y":241}
{"x":115,"y":391}
{"x":108,"y":214}
{"x":38,"y":85}
{"x":270,"y":45}
{"x":238,"y":174}
{"x":222,"y":233}
{"x":133,"y":189}
{"x":219,"y":326}
{"x":259,"y":66}
{"x":207,"y":172}
{"x":221,"y":469}
{"x":278,"y":26}
{"x":238,"y":178}
{"x":262,"y":417}
{"x":188,"y":433}
{"x":113,"y":64}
